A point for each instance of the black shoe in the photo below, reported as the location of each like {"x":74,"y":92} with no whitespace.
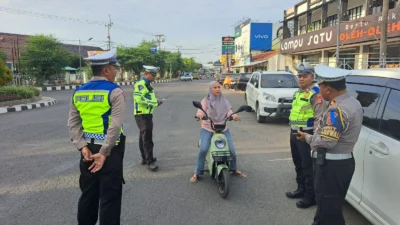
{"x":299,"y":193}
{"x":305,"y":203}
{"x":144,"y":162}
{"x":152,"y":167}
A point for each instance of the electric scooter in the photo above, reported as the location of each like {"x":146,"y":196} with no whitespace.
{"x":219,"y":155}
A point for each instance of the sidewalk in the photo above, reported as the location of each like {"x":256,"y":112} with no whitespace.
{"x":45,"y":102}
{"x":72,"y":87}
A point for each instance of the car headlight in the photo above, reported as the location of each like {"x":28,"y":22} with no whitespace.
{"x":269,"y":97}
{"x":220,"y":143}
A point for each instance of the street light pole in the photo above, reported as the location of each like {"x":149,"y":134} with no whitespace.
{"x":80,"y":56}
{"x":80,"y":59}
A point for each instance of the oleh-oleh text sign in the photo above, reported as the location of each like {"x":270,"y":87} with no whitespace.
{"x":361,"y":30}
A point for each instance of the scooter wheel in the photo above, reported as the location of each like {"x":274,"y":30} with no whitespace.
{"x":224,"y":183}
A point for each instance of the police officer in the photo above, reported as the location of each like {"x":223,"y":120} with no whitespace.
{"x":145,"y":102}
{"x":332,"y":145}
{"x":306,"y":107}
{"x":95,"y":125}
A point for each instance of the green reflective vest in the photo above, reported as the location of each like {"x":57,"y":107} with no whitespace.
{"x":144,"y":98}
{"x":92,"y":100}
{"x":302,"y":113}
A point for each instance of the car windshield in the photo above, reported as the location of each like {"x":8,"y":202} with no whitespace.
{"x":279,"y":81}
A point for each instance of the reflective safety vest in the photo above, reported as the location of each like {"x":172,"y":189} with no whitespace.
{"x":144,"y":98}
{"x":92,"y":100}
{"x":302,"y":113}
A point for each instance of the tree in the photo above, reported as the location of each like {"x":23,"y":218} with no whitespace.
{"x":5,"y":74}
{"x":45,"y":57}
{"x":132,"y":59}
{"x":3,"y":56}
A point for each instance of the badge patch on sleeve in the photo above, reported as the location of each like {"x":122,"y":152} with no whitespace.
{"x":333,"y":125}
{"x":140,"y":87}
{"x":319,"y":99}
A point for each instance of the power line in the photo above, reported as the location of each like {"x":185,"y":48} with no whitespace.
{"x":70,"y":19}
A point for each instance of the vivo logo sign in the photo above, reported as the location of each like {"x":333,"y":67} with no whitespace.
{"x":261,"y":36}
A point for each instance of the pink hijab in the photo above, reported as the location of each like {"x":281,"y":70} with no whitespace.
{"x":217,"y":106}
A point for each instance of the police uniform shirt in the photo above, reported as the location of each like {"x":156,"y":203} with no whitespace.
{"x":339,"y":127}
{"x":117,"y":99}
{"x":317,"y":102}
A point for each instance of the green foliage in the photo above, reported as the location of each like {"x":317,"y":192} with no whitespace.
{"x":21,"y":91}
{"x":3,"y":56}
{"x":5,"y":74}
{"x":132,"y":59}
{"x":45,"y":57}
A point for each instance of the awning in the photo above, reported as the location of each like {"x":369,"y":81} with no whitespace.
{"x":251,"y":64}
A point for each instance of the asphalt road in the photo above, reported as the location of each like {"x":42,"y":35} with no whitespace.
{"x":39,"y":168}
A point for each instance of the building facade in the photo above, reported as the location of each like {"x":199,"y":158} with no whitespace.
{"x":310,"y":33}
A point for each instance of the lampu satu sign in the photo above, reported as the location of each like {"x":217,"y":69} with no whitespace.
{"x":361,"y":30}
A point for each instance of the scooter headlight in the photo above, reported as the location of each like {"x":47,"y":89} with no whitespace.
{"x":220,"y":143}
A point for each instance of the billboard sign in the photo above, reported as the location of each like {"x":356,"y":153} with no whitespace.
{"x":230,"y":49}
{"x":261,"y":36}
{"x":93,"y":53}
{"x":228,"y":39}
{"x":352,"y":32}
{"x":228,"y":45}
{"x":245,"y":41}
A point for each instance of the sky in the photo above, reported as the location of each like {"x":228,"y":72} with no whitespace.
{"x":195,"y":26}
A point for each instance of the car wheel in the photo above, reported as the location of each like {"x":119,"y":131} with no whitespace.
{"x":260,"y":119}
{"x":226,"y":86}
{"x":249,"y":109}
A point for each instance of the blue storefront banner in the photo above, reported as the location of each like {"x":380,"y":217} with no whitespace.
{"x":261,"y":36}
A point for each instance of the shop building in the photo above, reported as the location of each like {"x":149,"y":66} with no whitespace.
{"x":256,"y":46}
{"x":310,"y":33}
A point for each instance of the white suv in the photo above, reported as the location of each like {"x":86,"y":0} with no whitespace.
{"x":375,"y":187}
{"x":270,"y":94}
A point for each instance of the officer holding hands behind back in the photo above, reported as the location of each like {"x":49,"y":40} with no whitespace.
{"x":144,"y":104}
{"x":307,"y":107}
{"x":332,"y":145}
{"x":95,"y":120}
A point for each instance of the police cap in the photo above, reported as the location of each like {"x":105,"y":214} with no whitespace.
{"x":109,"y":57}
{"x":330,"y":74}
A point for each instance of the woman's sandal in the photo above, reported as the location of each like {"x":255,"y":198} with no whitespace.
{"x":194,"y":178}
{"x":238,"y":173}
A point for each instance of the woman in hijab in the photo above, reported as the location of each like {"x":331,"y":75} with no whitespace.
{"x":218,"y":108}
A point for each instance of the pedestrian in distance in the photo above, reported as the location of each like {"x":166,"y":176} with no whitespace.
{"x":332,"y":145}
{"x":95,"y":120}
{"x":307,"y":107}
{"x":217,"y":108}
{"x":145,"y":102}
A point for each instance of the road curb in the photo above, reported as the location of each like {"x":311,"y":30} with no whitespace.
{"x":73,"y":87}
{"x":17,"y":108}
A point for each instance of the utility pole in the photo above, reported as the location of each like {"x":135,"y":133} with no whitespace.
{"x":339,"y":15}
{"x":179,"y":47}
{"x":160,"y":38}
{"x":383,"y":44}
{"x":109,"y":35}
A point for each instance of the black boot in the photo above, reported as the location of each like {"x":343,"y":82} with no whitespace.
{"x":306,"y":202}
{"x":144,"y":161}
{"x":152,"y":167}
{"x":299,"y":193}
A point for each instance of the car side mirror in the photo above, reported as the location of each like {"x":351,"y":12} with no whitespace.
{"x":241,"y":109}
